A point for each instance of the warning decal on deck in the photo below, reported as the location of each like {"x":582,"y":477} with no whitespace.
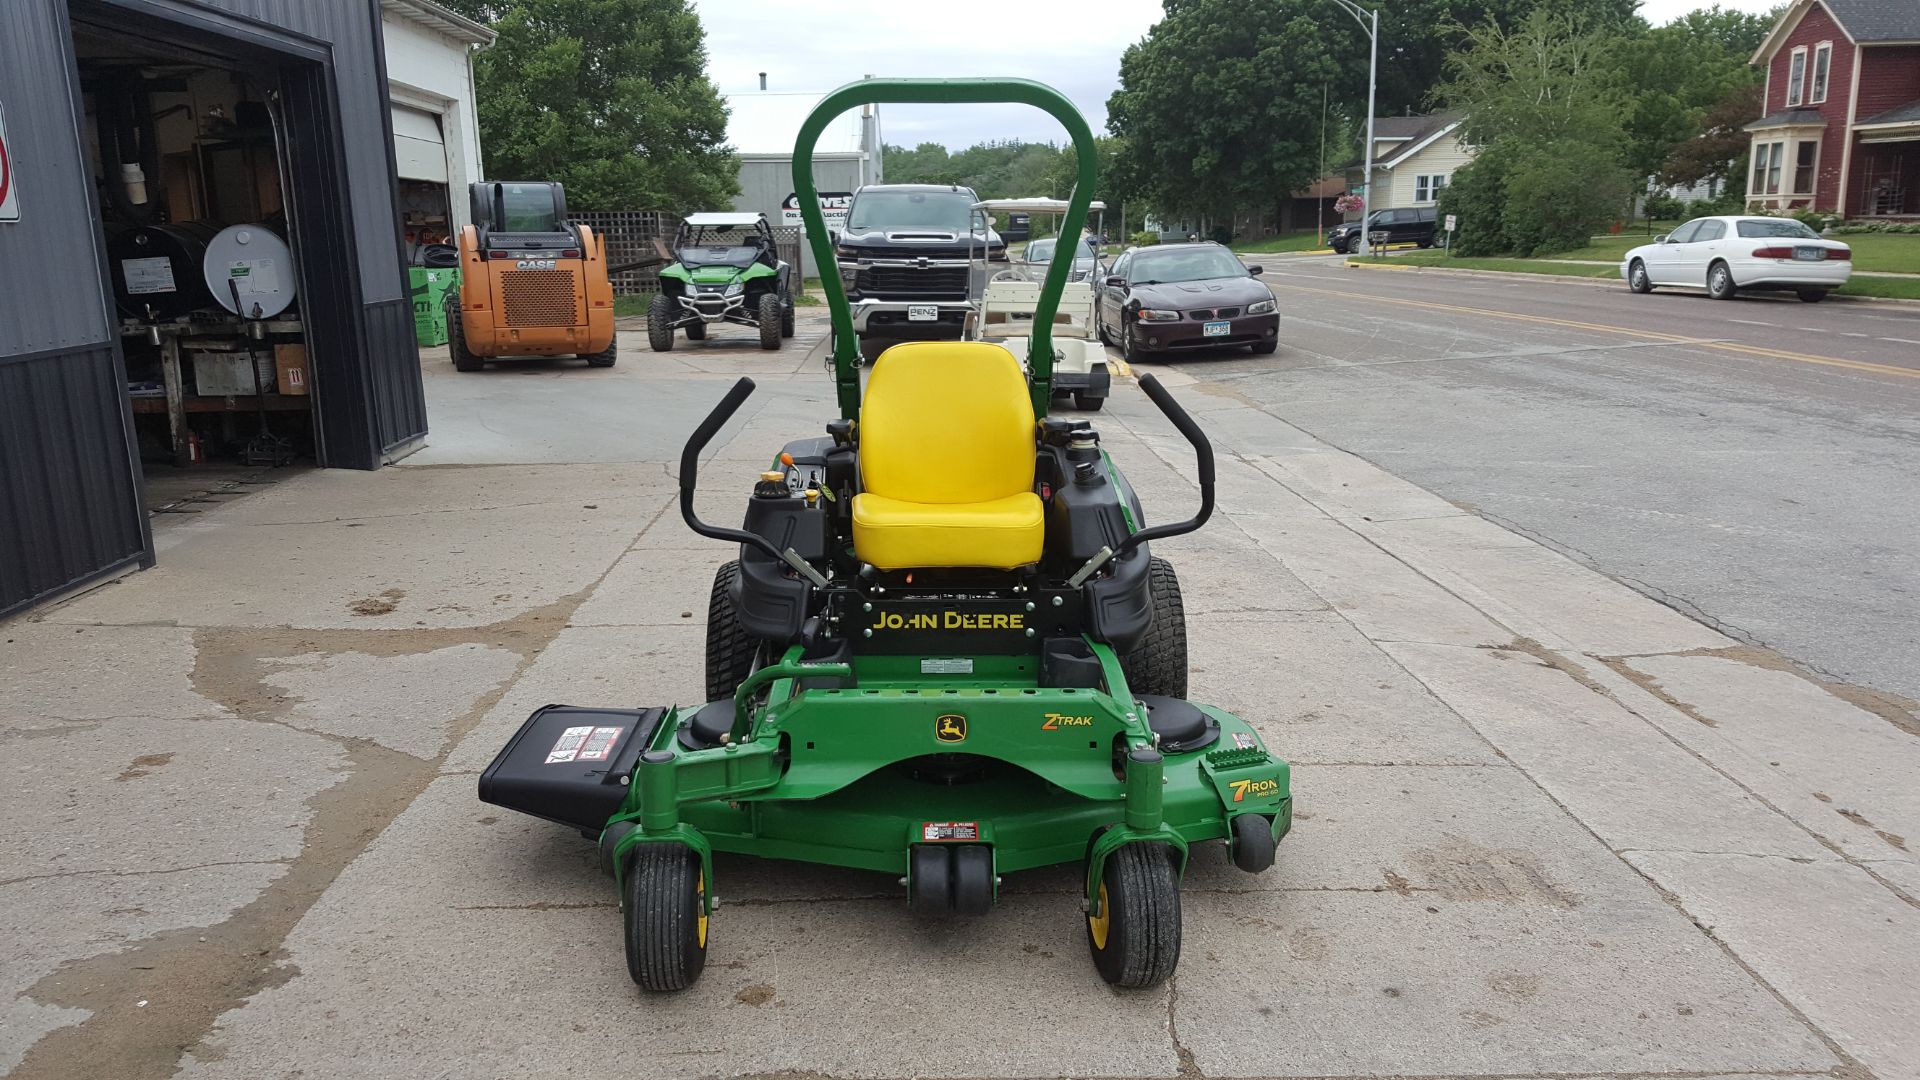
{"x":934,"y":832}
{"x":567,"y":746}
{"x":599,"y":745}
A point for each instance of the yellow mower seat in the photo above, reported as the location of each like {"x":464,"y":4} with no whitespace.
{"x":946,"y":460}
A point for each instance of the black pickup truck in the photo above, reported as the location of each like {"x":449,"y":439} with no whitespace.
{"x":904,"y":259}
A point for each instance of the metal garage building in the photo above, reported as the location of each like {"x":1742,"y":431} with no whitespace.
{"x":311,"y":76}
{"x":761,"y":126}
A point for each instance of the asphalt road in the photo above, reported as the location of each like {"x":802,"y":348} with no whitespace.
{"x":1752,"y":464}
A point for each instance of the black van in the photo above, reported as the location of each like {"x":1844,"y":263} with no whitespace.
{"x":1415,"y":224}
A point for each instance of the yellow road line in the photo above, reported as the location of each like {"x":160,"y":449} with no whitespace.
{"x":1724,"y":346}
{"x":1118,"y":365}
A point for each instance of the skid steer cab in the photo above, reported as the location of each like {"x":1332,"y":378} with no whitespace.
{"x":532,"y":283}
{"x":944,"y":653}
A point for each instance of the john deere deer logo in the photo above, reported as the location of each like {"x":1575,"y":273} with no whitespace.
{"x":950,"y":728}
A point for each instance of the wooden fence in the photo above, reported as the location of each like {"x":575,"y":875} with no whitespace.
{"x":633,"y":235}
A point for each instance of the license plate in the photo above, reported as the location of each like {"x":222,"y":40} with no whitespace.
{"x":1217,"y":329}
{"x":1809,"y":254}
{"x":923,"y":312}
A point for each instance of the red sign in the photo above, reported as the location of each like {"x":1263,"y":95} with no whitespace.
{"x":9,"y":202}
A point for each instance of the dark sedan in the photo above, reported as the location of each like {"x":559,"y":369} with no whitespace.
{"x":1185,"y":296}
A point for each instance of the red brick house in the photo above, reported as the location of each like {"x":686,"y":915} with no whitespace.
{"x":1840,"y":129}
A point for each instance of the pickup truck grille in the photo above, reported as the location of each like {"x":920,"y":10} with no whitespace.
{"x":913,"y":282}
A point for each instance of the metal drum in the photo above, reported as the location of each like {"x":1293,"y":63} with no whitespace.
{"x":252,"y":262}
{"x":159,"y":268}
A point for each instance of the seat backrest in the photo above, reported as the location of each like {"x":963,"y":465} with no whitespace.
{"x":947,"y":422}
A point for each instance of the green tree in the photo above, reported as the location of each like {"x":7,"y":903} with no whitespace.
{"x":1678,"y":72}
{"x":1543,"y":101}
{"x":1549,"y":77}
{"x":924,"y":164}
{"x":1718,"y":151}
{"x":1417,"y":35}
{"x":1219,"y":106}
{"x":610,"y":97}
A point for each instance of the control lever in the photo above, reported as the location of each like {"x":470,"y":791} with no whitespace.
{"x":689,"y":476}
{"x":1201,"y":448}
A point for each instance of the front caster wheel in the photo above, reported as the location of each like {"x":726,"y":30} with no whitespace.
{"x":1135,"y":939}
{"x":1252,"y":843}
{"x":666,"y":917}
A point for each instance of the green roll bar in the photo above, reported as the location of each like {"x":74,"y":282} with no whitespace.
{"x":846,"y":349}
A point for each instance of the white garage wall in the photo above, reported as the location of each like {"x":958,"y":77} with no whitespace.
{"x":430,"y":72}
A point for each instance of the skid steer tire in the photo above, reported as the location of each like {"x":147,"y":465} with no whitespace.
{"x":463,"y":358}
{"x":605,"y":357}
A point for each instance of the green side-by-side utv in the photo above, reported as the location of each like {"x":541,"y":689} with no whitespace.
{"x":727,"y":268}
{"x":944,"y":653}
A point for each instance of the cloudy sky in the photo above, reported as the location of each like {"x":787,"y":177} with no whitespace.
{"x":820,"y":44}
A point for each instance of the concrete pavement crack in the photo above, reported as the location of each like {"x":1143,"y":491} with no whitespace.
{"x":142,"y":873}
{"x":1188,"y":1066}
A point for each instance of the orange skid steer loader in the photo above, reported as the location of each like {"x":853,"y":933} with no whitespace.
{"x":531,"y":282}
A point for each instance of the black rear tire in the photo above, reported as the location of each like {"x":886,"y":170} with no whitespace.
{"x":1086,"y":403}
{"x":1812,"y":296}
{"x":786,"y":318}
{"x":1252,"y":843}
{"x":605,"y":357}
{"x":463,"y":358}
{"x":660,"y":323}
{"x":1135,"y":940}
{"x":731,"y":651}
{"x":1158,"y":662}
{"x":696,"y":331}
{"x":666,"y":921}
{"x":770,"y":318}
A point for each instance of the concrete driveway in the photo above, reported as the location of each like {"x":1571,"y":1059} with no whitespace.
{"x":1547,"y":827}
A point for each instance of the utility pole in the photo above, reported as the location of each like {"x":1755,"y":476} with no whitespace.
{"x":1370,"y":22}
{"x":1319,"y":204}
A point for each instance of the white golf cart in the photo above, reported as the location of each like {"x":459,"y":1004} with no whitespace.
{"x":1003,"y":311}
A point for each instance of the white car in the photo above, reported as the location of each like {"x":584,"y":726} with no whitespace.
{"x":1724,"y":255}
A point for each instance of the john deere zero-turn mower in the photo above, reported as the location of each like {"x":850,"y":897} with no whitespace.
{"x":944,"y":653}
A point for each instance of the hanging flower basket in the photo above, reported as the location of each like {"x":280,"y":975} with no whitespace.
{"x":1349,"y":204}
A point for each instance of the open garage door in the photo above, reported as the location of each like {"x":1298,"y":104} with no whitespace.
{"x":419,"y":148}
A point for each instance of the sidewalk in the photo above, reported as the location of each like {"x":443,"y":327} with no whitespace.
{"x":1546,"y":826}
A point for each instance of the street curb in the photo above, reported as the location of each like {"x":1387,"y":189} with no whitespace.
{"x":1605,"y":283}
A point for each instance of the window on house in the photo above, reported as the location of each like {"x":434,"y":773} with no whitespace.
{"x":1797,"y":77}
{"x":1822,"y":59}
{"x":1804,"y":155}
{"x":1428,"y":188}
{"x":1766,"y":168}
